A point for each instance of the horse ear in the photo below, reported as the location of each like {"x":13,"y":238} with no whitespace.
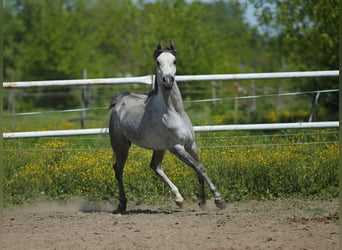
{"x":157,"y":50}
{"x":158,"y":47}
{"x":172,"y":46}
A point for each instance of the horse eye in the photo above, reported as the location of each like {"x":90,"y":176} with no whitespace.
{"x":158,"y":63}
{"x":175,"y":62}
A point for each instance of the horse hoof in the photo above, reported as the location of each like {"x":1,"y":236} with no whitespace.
{"x":117,"y":211}
{"x":203,"y":205}
{"x":180,"y":204}
{"x":121,"y":208}
{"x":220,"y":203}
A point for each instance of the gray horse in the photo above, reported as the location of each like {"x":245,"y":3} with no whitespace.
{"x":157,"y":121}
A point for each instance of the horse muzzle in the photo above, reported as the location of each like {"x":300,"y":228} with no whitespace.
{"x":168,"y":82}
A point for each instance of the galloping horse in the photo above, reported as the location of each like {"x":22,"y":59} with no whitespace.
{"x":158,"y":122}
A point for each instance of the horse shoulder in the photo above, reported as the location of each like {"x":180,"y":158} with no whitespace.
{"x":179,"y":126}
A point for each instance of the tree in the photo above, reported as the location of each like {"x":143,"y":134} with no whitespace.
{"x":306,"y":33}
{"x":13,"y":30}
{"x":53,"y":46}
{"x":307,"y":30}
{"x":57,"y":39}
{"x":48,"y":44}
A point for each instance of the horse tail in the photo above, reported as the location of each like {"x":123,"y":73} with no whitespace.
{"x":117,"y":98}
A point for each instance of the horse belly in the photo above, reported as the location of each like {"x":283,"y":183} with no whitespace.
{"x":149,"y":139}
{"x":144,"y":133}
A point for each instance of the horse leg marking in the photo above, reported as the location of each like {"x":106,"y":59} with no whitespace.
{"x":156,"y":165}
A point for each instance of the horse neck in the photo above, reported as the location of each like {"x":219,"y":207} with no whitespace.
{"x":171,"y":98}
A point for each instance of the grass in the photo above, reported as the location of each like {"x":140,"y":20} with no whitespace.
{"x":242,"y":165}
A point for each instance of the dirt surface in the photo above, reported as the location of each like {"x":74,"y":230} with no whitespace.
{"x":281,"y":224}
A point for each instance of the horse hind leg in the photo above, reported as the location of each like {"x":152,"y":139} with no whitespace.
{"x":120,"y":160}
{"x":118,"y":170}
{"x":156,"y":165}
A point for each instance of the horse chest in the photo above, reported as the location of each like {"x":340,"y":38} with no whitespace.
{"x":178,"y":126}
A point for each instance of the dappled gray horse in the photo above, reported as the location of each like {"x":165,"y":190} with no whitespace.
{"x":157,"y":121}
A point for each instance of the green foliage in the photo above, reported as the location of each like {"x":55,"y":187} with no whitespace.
{"x":59,"y":39}
{"x":242,"y":165}
{"x":109,"y":38}
{"x":307,"y":31}
{"x":306,"y":36}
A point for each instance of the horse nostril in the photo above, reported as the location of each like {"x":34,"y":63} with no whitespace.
{"x":169,"y":79}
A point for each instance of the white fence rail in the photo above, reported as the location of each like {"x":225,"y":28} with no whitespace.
{"x":149,"y":80}
{"x":94,"y":131}
{"x":189,"y":101}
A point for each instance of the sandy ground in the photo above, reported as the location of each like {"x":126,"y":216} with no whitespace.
{"x":281,"y":224}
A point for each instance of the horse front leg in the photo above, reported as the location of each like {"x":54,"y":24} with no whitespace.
{"x":187,"y":158}
{"x":156,"y":165}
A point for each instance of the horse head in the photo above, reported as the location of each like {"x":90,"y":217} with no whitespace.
{"x":165,"y":58}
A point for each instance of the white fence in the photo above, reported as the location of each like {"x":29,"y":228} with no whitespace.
{"x":94,"y":131}
{"x":189,"y":78}
{"x":149,"y":80}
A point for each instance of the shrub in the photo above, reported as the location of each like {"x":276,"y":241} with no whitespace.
{"x":265,"y":166}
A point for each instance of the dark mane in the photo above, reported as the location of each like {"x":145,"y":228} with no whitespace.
{"x":154,"y":90}
{"x":117,"y":98}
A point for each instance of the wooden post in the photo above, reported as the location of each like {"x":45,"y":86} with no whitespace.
{"x":236,"y":102}
{"x":314,"y":104}
{"x":280,"y":102}
{"x":11,"y":101}
{"x":213,"y":92}
{"x":252,"y":107}
{"x":83,"y":102}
